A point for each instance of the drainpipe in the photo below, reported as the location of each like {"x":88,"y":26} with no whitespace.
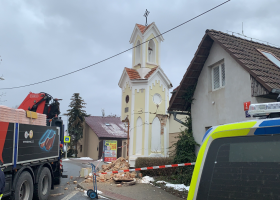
{"x":176,"y":119}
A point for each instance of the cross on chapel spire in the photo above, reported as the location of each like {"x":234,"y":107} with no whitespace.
{"x":146,"y":15}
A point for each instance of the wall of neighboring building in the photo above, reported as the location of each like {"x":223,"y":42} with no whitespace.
{"x":174,"y":129}
{"x":225,"y":105}
{"x":82,"y":142}
{"x":90,"y":144}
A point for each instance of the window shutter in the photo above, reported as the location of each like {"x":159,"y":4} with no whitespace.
{"x":216,"y":77}
{"x":223,"y":74}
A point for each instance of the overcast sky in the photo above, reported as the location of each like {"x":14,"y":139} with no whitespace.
{"x":44,"y":39}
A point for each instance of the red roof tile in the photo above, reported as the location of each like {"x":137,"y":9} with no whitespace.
{"x":143,"y":28}
{"x":114,"y":128}
{"x":151,"y":72}
{"x":132,"y":73}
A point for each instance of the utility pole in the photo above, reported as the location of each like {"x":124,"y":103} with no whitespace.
{"x":127,"y":148}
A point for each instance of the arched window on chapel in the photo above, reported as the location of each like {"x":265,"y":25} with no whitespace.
{"x":137,"y":53}
{"x":151,"y":51}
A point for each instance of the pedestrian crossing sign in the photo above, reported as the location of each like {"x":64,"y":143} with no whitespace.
{"x":66,"y":139}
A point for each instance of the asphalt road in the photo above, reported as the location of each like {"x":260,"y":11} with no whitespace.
{"x":71,"y":168}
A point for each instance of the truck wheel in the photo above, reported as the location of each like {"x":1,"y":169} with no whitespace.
{"x":43,"y":187}
{"x":24,"y":187}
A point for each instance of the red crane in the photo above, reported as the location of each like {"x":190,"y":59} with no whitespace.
{"x":41,"y":103}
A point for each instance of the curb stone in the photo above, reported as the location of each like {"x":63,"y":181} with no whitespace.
{"x":79,"y":185}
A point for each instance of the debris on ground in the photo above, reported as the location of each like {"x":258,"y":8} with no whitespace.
{"x":55,"y":195}
{"x":119,"y":164}
{"x":130,"y":182}
{"x":85,"y":172}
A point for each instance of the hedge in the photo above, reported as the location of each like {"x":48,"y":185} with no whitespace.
{"x":158,"y":161}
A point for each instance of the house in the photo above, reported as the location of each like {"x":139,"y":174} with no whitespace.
{"x":145,"y":96}
{"x":227,"y":71}
{"x":95,"y":130}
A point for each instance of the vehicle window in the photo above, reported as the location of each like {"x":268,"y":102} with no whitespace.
{"x":243,"y":168}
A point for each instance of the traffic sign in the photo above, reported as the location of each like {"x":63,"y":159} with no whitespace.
{"x":66,"y":139}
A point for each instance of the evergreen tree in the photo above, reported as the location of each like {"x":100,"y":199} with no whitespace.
{"x":76,"y":118}
{"x":185,"y":153}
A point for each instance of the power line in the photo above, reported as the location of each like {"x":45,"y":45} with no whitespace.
{"x":116,"y":54}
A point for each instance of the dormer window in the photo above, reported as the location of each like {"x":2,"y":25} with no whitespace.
{"x":137,"y":53}
{"x":151,"y":52}
{"x":274,"y":59}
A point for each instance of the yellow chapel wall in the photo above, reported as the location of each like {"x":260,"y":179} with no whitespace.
{"x":139,"y":108}
{"x":134,"y":53}
{"x":157,"y":51}
{"x":126,"y":91}
{"x":156,"y":88}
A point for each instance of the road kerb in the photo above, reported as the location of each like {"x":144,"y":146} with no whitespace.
{"x":81,"y":185}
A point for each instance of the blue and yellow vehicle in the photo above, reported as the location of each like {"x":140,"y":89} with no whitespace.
{"x":240,"y":160}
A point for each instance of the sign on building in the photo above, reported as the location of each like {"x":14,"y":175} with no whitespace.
{"x":246,"y":108}
{"x":246,"y":105}
{"x":110,"y":150}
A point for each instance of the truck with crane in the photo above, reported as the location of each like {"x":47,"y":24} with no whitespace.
{"x":30,"y":155}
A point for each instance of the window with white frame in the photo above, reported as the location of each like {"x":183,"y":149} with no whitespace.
{"x":218,"y":76}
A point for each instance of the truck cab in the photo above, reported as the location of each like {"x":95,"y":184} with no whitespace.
{"x":240,"y":160}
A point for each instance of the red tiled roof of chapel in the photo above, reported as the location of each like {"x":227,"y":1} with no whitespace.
{"x":132,"y":73}
{"x":143,"y":28}
{"x":151,"y":72}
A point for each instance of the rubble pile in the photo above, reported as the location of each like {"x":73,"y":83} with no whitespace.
{"x":119,"y":164}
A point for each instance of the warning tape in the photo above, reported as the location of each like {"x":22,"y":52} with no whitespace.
{"x":147,"y":168}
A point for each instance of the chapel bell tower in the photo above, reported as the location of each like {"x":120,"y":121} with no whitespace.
{"x":145,"y":95}
{"x":146,"y":55}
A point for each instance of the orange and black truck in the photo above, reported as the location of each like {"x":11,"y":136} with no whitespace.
{"x":30,"y":155}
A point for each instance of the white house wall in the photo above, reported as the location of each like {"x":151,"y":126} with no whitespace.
{"x":224,"y":105}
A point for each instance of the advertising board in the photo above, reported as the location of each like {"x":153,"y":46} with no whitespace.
{"x":37,"y":142}
{"x":110,"y":150}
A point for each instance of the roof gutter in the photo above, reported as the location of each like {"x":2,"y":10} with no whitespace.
{"x":175,"y":114}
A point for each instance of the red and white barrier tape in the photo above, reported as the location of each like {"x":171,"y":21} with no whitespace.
{"x":147,"y":168}
{"x":61,"y":164}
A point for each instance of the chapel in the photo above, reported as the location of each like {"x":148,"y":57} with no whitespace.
{"x":145,"y":95}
